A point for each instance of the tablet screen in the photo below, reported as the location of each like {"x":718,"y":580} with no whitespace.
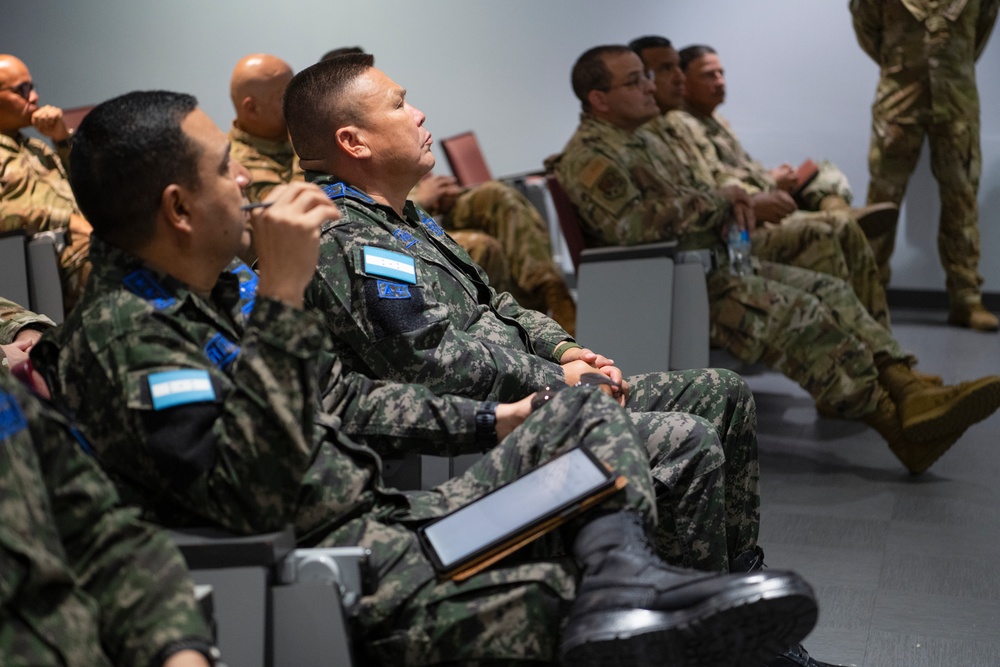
{"x":548,"y":489}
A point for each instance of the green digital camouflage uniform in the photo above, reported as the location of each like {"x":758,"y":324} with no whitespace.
{"x":505,"y":214}
{"x":270,"y":163}
{"x":451,"y":331}
{"x":829,"y":181}
{"x":628,"y":189}
{"x":247,"y":449}
{"x":35,"y":196}
{"x":927,"y":52}
{"x":82,"y":582}
{"x":824,"y":241}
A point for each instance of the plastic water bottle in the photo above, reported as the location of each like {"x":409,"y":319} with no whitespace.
{"x":739,"y":252}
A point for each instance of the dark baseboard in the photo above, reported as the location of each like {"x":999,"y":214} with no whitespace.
{"x":932,"y":299}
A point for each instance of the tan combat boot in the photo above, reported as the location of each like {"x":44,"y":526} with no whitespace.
{"x":916,"y":456}
{"x":973,"y":316}
{"x":875,"y":220}
{"x":927,"y":412}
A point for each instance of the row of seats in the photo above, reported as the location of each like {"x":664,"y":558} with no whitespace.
{"x":29,"y":271}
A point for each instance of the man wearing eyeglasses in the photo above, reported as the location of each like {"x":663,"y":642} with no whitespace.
{"x":34,"y":190}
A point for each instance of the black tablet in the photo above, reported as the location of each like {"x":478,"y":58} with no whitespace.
{"x":514,"y":514}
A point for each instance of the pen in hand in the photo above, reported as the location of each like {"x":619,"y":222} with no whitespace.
{"x":251,"y":207}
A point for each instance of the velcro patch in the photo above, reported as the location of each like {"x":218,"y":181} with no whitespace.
{"x":431,"y":224}
{"x":341,"y":190}
{"x":389,"y":264}
{"x":597,"y":166}
{"x":387,"y":290}
{"x":12,"y":420}
{"x":406,"y":237}
{"x":170,"y":388}
{"x":144,"y":284}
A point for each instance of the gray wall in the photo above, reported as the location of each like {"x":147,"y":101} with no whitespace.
{"x":799,"y":86}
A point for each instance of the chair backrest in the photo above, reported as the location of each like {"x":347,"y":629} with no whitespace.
{"x":14,"y":280}
{"x":72,"y":117}
{"x":569,"y":221}
{"x":466,"y":159}
{"x":44,"y":276}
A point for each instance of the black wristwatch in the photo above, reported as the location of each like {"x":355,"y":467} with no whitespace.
{"x":486,"y":425}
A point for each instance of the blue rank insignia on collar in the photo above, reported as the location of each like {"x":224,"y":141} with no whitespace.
{"x":171,"y":388}
{"x":432,"y":226}
{"x":143,"y":283}
{"x":12,"y":420}
{"x":389,"y":264}
{"x":248,"y":287}
{"x":341,"y":190}
{"x":221,"y":351}
{"x":408,"y":239}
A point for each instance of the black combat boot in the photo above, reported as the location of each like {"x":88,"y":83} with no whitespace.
{"x":633,"y":609}
{"x":796,"y":656}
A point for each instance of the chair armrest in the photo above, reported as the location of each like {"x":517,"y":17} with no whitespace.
{"x":341,"y":566}
{"x":210,"y":549}
{"x":617,"y":253}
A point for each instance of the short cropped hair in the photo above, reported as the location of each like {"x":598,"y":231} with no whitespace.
{"x":649,"y":42}
{"x":342,"y":51}
{"x":691,"y":53}
{"x":591,"y":73}
{"x":316,"y":106}
{"x":125,"y":153}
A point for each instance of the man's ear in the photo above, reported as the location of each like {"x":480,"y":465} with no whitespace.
{"x":352,"y":140}
{"x":249,"y":104}
{"x":174,"y":207}
{"x":598,"y":100}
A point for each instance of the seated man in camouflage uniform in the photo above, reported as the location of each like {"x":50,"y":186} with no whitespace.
{"x":201,"y":391}
{"x":20,"y":329}
{"x":630,"y":189}
{"x":82,"y":581}
{"x":828,"y":241}
{"x":34,"y":193}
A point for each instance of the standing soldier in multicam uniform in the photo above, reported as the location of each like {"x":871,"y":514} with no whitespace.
{"x":827,"y":241}
{"x":201,"y":394}
{"x":808,"y":325}
{"x":34,"y":192}
{"x":82,"y":582}
{"x":20,"y":329}
{"x":927,"y":52}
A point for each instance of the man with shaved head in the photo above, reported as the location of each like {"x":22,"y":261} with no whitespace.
{"x":34,"y":191}
{"x":259,"y":136}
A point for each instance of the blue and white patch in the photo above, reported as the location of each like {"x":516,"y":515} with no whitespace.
{"x":387,"y":290}
{"x":432,"y":226}
{"x":341,"y":190}
{"x":389,"y":264}
{"x":143,"y":283}
{"x":221,"y":351}
{"x":248,"y":287}
{"x":406,"y":237}
{"x":170,"y":388}
{"x":12,"y":420}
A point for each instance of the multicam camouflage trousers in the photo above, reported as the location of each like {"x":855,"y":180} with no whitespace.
{"x":828,"y":242}
{"x":956,"y":161}
{"x":808,"y":325}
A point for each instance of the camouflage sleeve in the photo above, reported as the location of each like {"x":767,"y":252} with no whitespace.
{"x":395,"y":418}
{"x":984,"y":25}
{"x":13,"y":318}
{"x":25,"y":206}
{"x":235,"y":450}
{"x":867,"y":18}
{"x":619,"y":205}
{"x":414,"y":339}
{"x":723,"y":175}
{"x":131,"y":570}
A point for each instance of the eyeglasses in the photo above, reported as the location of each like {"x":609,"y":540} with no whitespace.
{"x":633,"y":81}
{"x":24,"y":89}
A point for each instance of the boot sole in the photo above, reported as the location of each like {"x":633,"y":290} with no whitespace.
{"x":878,"y":223}
{"x":934,"y":450}
{"x":943,"y":420}
{"x":743,"y":627}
